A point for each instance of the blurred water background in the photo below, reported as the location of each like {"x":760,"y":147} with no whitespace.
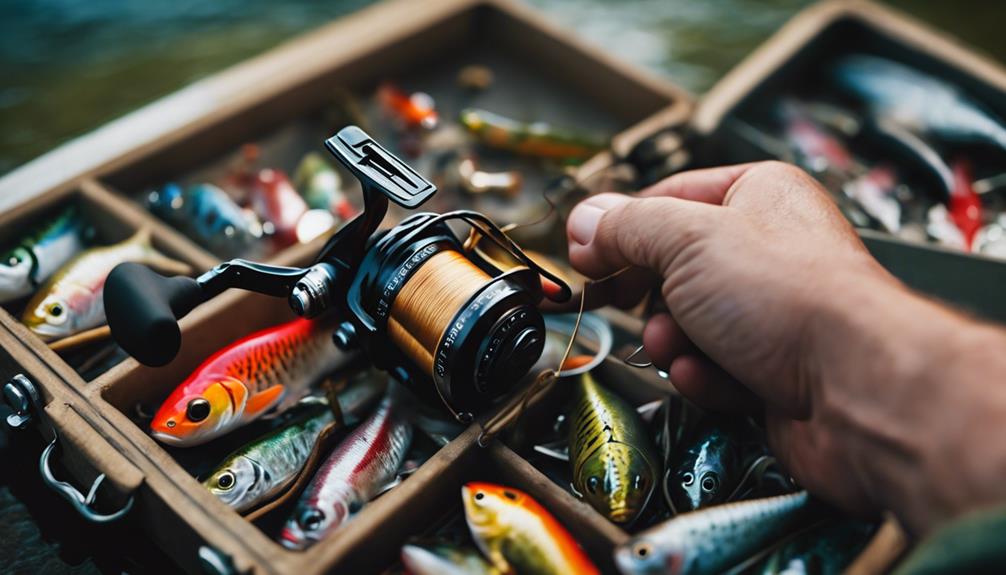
{"x":68,"y":66}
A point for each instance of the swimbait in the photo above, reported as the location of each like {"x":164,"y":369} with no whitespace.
{"x":874,"y":191}
{"x":415,"y":110}
{"x":712,"y":540}
{"x":71,"y":301}
{"x":262,"y":469}
{"x":614,"y":463}
{"x":41,"y":253}
{"x":518,"y":535}
{"x":826,"y":549}
{"x":532,"y":139}
{"x":209,"y":215}
{"x":244,"y":380}
{"x":364,"y":463}
{"x":281,"y":208}
{"x":445,"y":559}
{"x":321,"y":186}
{"x":917,"y":100}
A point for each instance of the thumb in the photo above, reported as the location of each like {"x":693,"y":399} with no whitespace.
{"x":608,"y":232}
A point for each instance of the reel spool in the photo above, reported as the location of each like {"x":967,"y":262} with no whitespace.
{"x":410,"y":298}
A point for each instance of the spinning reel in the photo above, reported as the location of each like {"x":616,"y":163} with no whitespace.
{"x":420,"y":307}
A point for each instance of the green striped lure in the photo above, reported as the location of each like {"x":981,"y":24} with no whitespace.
{"x":615,"y":465}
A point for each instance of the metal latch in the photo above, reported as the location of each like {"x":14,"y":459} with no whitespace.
{"x":23,"y":398}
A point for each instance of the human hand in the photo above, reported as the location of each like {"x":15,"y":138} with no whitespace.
{"x":772,"y":294}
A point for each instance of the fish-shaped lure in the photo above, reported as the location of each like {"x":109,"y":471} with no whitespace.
{"x":826,"y":549}
{"x":363,"y":464}
{"x":244,"y":380}
{"x":71,"y":301}
{"x":415,"y":110}
{"x":917,"y":100}
{"x":275,"y":200}
{"x":445,"y":559}
{"x":321,"y":186}
{"x":518,"y":535}
{"x":41,"y":253}
{"x":262,"y":469}
{"x":209,"y":215}
{"x":615,"y":464}
{"x":536,"y":139}
{"x":712,"y":540}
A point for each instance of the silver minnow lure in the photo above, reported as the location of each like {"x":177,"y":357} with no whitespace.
{"x":262,"y":469}
{"x":713,"y":539}
{"x":40,"y":254}
{"x":366,"y":461}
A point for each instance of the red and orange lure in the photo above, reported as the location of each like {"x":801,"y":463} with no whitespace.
{"x":964,"y":205}
{"x":244,"y":380}
{"x":415,"y":110}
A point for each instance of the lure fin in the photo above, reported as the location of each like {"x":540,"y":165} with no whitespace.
{"x":264,"y":400}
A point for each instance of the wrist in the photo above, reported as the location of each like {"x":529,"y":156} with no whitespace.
{"x":912,"y":388}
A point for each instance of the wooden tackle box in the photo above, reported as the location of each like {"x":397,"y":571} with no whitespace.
{"x":196,"y":130}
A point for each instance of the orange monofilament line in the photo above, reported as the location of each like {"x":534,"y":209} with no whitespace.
{"x":429,"y":301}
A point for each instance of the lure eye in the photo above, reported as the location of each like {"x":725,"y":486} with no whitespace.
{"x":710,"y":482}
{"x":593,"y":484}
{"x":55,"y":313}
{"x":480,"y":496}
{"x":642,"y":550}
{"x":13,"y":260}
{"x":226,"y":480}
{"x":687,"y":479}
{"x":197,"y":410}
{"x":354,"y":507}
{"x":311,"y":519}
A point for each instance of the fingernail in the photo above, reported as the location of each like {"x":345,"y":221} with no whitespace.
{"x":585,"y":217}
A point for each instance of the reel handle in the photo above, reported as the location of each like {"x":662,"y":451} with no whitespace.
{"x":143,"y":309}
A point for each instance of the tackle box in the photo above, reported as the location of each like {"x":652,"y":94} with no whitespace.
{"x":271,"y":99}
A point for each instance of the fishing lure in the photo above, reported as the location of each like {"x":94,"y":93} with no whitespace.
{"x":614,"y":463}
{"x":275,"y":200}
{"x":535,"y":139}
{"x":321,"y":186}
{"x":244,"y":380}
{"x":262,"y":469}
{"x":964,"y":205}
{"x":826,"y":549}
{"x":518,"y":535}
{"x":816,"y":149}
{"x":442,"y":558}
{"x":359,"y":468}
{"x":71,"y":301}
{"x":476,"y":181}
{"x":41,"y":253}
{"x":874,"y":191}
{"x":209,"y":215}
{"x":415,"y":110}
{"x":918,"y":101}
{"x":712,"y":540}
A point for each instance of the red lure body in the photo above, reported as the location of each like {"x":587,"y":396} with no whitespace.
{"x":275,"y":200}
{"x":964,"y":204}
{"x":416,"y":110}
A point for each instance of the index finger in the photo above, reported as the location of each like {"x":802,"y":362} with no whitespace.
{"x":708,"y":185}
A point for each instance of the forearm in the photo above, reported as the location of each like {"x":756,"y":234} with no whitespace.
{"x":918,"y":392}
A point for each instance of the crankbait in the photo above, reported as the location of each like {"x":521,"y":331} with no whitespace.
{"x":415,"y":110}
{"x":534,"y":139}
{"x":359,"y":468}
{"x":262,"y":469}
{"x":209,"y":215}
{"x":445,"y":559}
{"x":518,"y":535}
{"x":275,"y":200}
{"x":917,"y":100}
{"x":321,"y":186}
{"x":41,"y":253}
{"x":874,"y":192}
{"x":614,"y":463}
{"x":244,"y":380}
{"x":712,"y":540}
{"x":71,"y":301}
{"x":826,"y":549}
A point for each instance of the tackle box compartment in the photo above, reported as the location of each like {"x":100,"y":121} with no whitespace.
{"x":812,"y":38}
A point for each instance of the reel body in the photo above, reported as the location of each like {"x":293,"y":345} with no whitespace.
{"x":411,"y":298}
